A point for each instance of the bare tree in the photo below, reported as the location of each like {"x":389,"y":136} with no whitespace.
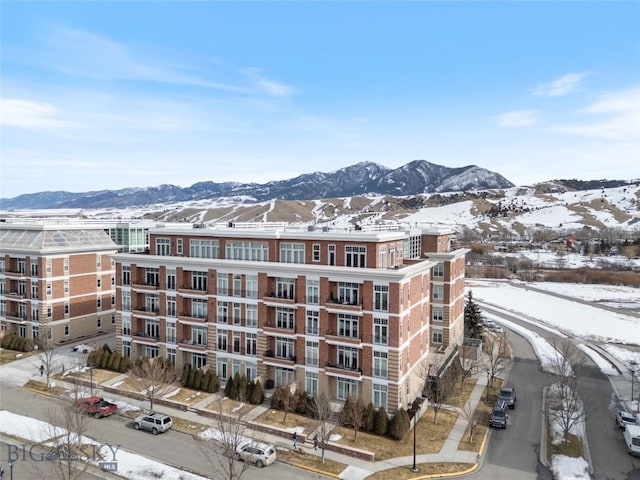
{"x":69,"y":458}
{"x":437,"y":388}
{"x":564,"y":404}
{"x":220,"y":449}
{"x":468,"y":366}
{"x":354,"y":414}
{"x":321,"y":406}
{"x":498,"y":354}
{"x":285,"y":399}
{"x":153,"y":377}
{"x":470,"y":413}
{"x":47,"y":355}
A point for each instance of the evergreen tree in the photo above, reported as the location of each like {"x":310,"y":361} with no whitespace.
{"x":399,"y":425}
{"x":472,"y":318}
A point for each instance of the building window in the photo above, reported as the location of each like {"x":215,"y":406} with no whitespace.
{"x":438,"y":292}
{"x":151,"y":351}
{"x":437,"y":314}
{"x":171,"y":332}
{"x":311,"y":383}
{"x":285,"y":318}
{"x":381,"y":298}
{"x":348,"y":326}
{"x":49,"y":289}
{"x":34,"y":314}
{"x":171,"y":356}
{"x":380,"y":396}
{"x":348,"y":357}
{"x":236,"y":313}
{"x":66,"y":308}
{"x":98,"y":282}
{"x":285,"y":288}
{"x":198,"y":308}
{"x":284,"y":348}
{"x":284,"y":377}
{"x":99,"y":322}
{"x":292,"y":253}
{"x":126,"y":326}
{"x":126,"y":275}
{"x":65,"y":264}
{"x":34,"y":268}
{"x":251,"y":371}
{"x":47,"y":266}
{"x":251,"y":251}
{"x":179,"y":249}
{"x":126,"y":301}
{"x":126,"y":348}
{"x":199,"y":336}
{"x":99,"y":302}
{"x":49,"y":311}
{"x":199,"y":281}
{"x":237,"y":286}
{"x":152,"y":329}
{"x":438,"y":270}
{"x":252,"y":286}
{"x":251,"y":315}
{"x":355,"y":256}
{"x":222,"y":338}
{"x":311,"y":354}
{"x":98,"y":261}
{"x":348,"y":293}
{"x":436,"y":336}
{"x":313,"y":292}
{"x":346,"y":389}
{"x":316,"y":252}
{"x":171,"y":279}
{"x":113,"y":280}
{"x":380,"y":364}
{"x":331,"y":254}
{"x":221,"y":368}
{"x":235,"y":342}
{"x":67,"y":329}
{"x":163,"y":247}
{"x":152,"y":276}
{"x":381,"y":331}
{"x":204,"y":248}
{"x":223,"y":312}
{"x":312,"y":323}
{"x":152,"y":303}
{"x":65,"y":286}
{"x":223,"y":285}
{"x":382,"y":257}
{"x":171,"y":307}
{"x":113,"y":300}
{"x":251,"y":344}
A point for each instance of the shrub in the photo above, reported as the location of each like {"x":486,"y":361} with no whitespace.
{"x":214,"y":384}
{"x":197,"y":379}
{"x":104,"y":359}
{"x":399,"y":425}
{"x":191,"y":377}
{"x":242,"y":387}
{"x":302,"y":403}
{"x":106,"y":348}
{"x":125,"y":364}
{"x":380,"y":422}
{"x":269,"y":384}
{"x":228,"y":388}
{"x":257,"y":395}
{"x":114,"y":361}
{"x":277,"y":400}
{"x":370,"y":418}
{"x":184,"y":378}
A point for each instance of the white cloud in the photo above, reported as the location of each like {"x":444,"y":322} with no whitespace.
{"x":517,"y":118}
{"x":563,"y":85}
{"x":267,"y":86}
{"x":29,"y":114}
{"x":614,"y":116}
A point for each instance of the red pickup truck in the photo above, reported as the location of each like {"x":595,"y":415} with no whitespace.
{"x":96,"y":406}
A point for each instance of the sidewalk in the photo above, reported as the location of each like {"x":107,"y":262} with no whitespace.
{"x":357,"y":469}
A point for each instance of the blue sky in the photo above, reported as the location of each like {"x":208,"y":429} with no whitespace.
{"x":120,"y":94}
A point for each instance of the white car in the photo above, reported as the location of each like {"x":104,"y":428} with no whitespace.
{"x":83,"y":348}
{"x":257,"y":453}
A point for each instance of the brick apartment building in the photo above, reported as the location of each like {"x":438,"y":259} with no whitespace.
{"x":58,"y":279}
{"x":345,"y":312}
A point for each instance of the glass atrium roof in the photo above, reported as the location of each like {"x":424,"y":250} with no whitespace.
{"x":55,"y":239}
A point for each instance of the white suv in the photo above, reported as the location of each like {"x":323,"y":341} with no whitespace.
{"x":154,"y":422}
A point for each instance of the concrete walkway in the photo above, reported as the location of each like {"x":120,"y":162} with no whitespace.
{"x":357,"y":469}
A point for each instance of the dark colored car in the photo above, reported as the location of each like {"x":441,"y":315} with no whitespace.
{"x":625,"y":418}
{"x":508,"y":395}
{"x":96,"y":406}
{"x":499,"y":415}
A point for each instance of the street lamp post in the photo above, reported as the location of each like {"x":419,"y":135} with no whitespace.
{"x":11,"y":464}
{"x":633,"y":375}
{"x":414,"y":411}
{"x":91,"y":379}
{"x":488,"y":375}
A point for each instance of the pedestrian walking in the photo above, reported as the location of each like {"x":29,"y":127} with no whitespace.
{"x":41,"y":370}
{"x":315,"y":442}
{"x":295,"y":440}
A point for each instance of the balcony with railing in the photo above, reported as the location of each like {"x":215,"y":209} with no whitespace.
{"x":15,"y":295}
{"x":192,"y":316}
{"x":340,"y":370}
{"x":336,"y":337}
{"x":272,"y":358}
{"x":16,"y":316}
{"x":142,"y":285}
{"x":337,"y":304}
{"x":142,"y":336}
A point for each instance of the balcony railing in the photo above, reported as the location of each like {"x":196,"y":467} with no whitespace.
{"x":140,"y":335}
{"x":337,"y":368}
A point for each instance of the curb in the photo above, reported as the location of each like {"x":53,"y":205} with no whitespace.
{"x":543,"y":430}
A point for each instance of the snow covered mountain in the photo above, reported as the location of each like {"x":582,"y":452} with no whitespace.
{"x":413,"y":178}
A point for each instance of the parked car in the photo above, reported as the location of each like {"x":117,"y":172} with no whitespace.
{"x":153,"y":422}
{"x":257,"y":453}
{"x":623,"y":419}
{"x":631,"y":436}
{"x":490,"y":324}
{"x":82,"y":348}
{"x":499,"y":415}
{"x":508,"y":395}
{"x":96,"y":406}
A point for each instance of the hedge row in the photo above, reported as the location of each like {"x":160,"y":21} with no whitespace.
{"x":14,"y":342}
{"x":106,"y":359}
{"x":199,"y":379}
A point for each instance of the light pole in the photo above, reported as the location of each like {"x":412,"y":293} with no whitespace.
{"x":11,"y":464}
{"x":633,"y":375}
{"x":414,"y":411}
{"x":91,"y":379}
{"x":488,"y":374}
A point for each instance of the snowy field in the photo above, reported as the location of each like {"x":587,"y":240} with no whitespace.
{"x":566,"y":315}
